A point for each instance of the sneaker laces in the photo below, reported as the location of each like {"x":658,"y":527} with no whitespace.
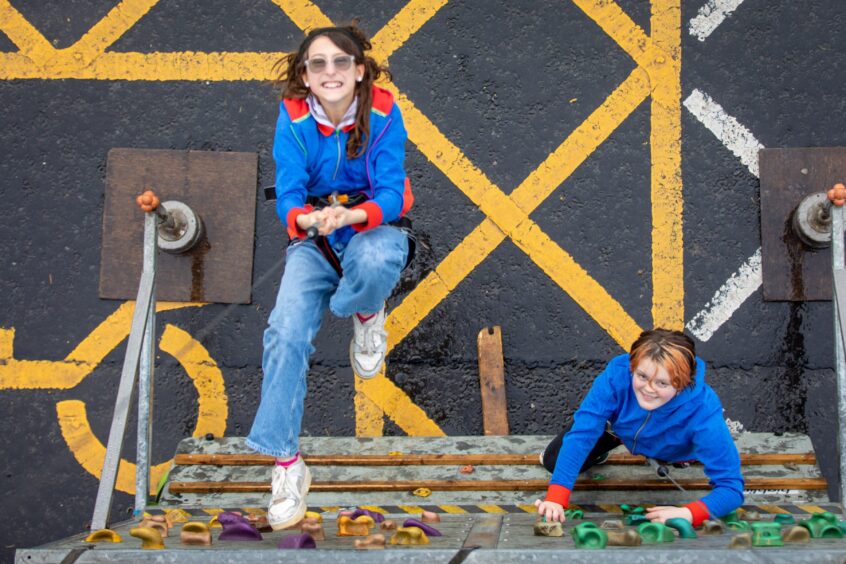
{"x":371,"y":334}
{"x":284,"y":489}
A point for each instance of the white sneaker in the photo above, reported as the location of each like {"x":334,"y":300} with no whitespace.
{"x":369,"y":345}
{"x":289,"y":487}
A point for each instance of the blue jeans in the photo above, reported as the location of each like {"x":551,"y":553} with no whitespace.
{"x":372,"y":262}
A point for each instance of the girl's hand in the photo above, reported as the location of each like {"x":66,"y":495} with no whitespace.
{"x":550,"y":510}
{"x":661,"y":513}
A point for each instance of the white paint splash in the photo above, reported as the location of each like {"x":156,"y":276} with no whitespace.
{"x":728,"y":130}
{"x":712,"y":15}
{"x":727,"y":299}
{"x":736,"y":428}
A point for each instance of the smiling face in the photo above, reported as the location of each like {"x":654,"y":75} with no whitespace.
{"x":652,"y":385}
{"x":334,"y":88}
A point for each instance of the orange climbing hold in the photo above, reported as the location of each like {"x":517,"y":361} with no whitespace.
{"x":837,"y":194}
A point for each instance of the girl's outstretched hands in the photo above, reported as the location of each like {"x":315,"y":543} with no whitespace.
{"x":662,"y":513}
{"x":550,"y":510}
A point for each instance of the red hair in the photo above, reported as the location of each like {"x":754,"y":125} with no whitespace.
{"x":673,"y":350}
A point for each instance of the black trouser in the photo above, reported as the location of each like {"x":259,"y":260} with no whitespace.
{"x":605,"y":443}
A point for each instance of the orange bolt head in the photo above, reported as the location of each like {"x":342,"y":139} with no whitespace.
{"x":148,"y":201}
{"x":837,"y":194}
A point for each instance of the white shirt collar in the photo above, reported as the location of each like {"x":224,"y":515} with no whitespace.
{"x":319,"y":114}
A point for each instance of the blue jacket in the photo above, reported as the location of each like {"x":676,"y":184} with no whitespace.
{"x":311,"y":161}
{"x":688,"y":427}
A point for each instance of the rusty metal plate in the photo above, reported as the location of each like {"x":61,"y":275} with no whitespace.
{"x":219,"y":186}
{"x":791,"y":271}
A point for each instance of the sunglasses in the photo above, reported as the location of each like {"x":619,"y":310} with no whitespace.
{"x":341,"y":63}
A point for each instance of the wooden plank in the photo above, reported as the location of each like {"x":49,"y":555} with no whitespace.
{"x":456,"y":459}
{"x":496,"y":485}
{"x":492,"y":381}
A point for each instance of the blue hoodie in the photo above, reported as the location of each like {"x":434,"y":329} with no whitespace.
{"x":311,"y":161}
{"x":688,"y":427}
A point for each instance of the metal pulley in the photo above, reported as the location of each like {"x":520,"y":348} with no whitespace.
{"x":179,"y":227}
{"x":812,"y":221}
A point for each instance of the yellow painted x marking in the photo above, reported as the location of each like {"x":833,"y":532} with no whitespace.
{"x":657,"y":75}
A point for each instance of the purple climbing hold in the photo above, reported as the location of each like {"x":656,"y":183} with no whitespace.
{"x":428,"y":529}
{"x":229,"y":518}
{"x":375,"y":515}
{"x":304,"y":540}
{"x":239,"y":531}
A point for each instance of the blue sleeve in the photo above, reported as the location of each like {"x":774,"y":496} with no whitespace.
{"x":588,"y":424}
{"x":716,"y":450}
{"x":289,"y":152}
{"x":387,"y":176}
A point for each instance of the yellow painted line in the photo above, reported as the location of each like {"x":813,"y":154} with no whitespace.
{"x":258,"y":511}
{"x":527,"y":507}
{"x":109,"y":29}
{"x":213,"y":512}
{"x":212,"y":411}
{"x":81,"y":361}
{"x":665,"y":143}
{"x":369,"y":418}
{"x":609,"y":508}
{"x":330,"y":508}
{"x":398,"y":406}
{"x":403,"y":25}
{"x":773,"y":509}
{"x":811,"y":508}
{"x":304,"y":14}
{"x":617,"y":24}
{"x":411,"y":509}
{"x":454,"y":509}
{"x":29,"y":40}
{"x":491,"y":508}
{"x":90,"y":452}
{"x":375,"y":508}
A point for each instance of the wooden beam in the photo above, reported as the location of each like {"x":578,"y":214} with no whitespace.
{"x":492,"y":382}
{"x":452,"y":459}
{"x":496,"y":485}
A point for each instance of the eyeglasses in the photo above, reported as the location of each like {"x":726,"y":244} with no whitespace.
{"x":341,"y":63}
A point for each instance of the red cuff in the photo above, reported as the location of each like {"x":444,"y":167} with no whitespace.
{"x":558,"y":494}
{"x":374,"y":216}
{"x":294,"y":231}
{"x":699,"y":511}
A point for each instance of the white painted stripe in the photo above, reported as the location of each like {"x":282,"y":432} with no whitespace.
{"x":728,"y":298}
{"x":712,"y":15}
{"x":728,"y":130}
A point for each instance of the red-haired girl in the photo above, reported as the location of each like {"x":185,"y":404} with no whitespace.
{"x":656,"y":402}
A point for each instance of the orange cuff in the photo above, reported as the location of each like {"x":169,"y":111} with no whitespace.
{"x":699,"y":511}
{"x":294,"y":231}
{"x":558,"y":494}
{"x":374,"y":216}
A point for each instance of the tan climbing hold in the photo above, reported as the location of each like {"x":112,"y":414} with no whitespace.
{"x":710,"y":527}
{"x":160,"y":526}
{"x":409,"y":535}
{"x":466,"y":469}
{"x":612,"y":524}
{"x":372,"y":542}
{"x":388,"y":525}
{"x":103,"y":535}
{"x":544,"y":528}
{"x":360,"y":527}
{"x":743,"y":540}
{"x":314,"y":528}
{"x":195,"y":533}
{"x":797,"y":534}
{"x":628,"y":537}
{"x":151,"y":539}
{"x":430,"y":517}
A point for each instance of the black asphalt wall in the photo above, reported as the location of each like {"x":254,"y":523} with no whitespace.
{"x":506,"y":83}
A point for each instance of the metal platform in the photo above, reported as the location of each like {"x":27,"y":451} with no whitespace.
{"x":487,"y":515}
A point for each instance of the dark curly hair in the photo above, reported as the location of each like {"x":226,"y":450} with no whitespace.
{"x":350,"y":39}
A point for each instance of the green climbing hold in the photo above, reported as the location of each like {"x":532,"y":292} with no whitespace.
{"x":654,"y":533}
{"x":730,"y":517}
{"x":821,"y":528}
{"x":738,"y":525}
{"x":784,"y":519}
{"x":574,"y":514}
{"x":634,"y":520}
{"x":683,"y":526}
{"x":842,"y":525}
{"x":766,"y":534}
{"x":632,"y":510}
{"x":826,"y":516}
{"x":588,"y":535}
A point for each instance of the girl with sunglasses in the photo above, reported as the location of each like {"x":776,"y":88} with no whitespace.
{"x":655,"y":401}
{"x":339,"y":150}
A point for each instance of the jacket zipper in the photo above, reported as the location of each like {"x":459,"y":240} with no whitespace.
{"x":634,"y":446}
{"x":338,"y":142}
